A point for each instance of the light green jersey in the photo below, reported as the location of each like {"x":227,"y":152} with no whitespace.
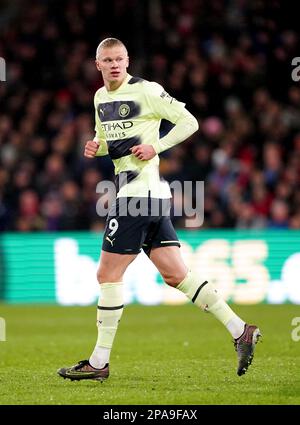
{"x":129,"y":116}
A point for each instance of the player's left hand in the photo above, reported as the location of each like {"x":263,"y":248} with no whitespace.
{"x":143,"y":152}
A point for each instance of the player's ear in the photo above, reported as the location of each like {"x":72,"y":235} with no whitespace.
{"x":127,"y":62}
{"x":98,"y":65}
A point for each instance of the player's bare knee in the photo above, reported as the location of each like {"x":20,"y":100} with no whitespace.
{"x":104,"y":276}
{"x":174,"y":279}
{"x":100,"y":276}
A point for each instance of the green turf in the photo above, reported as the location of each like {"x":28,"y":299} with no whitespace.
{"x":162,"y":355}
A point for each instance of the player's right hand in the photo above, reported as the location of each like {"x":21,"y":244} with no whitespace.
{"x":91,"y":148}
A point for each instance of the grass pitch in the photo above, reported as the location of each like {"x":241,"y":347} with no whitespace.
{"x":162,"y":355}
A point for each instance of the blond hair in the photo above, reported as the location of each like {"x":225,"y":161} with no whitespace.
{"x":109,"y":42}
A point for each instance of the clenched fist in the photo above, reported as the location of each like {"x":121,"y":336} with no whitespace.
{"x":143,"y":152}
{"x":91,"y":148}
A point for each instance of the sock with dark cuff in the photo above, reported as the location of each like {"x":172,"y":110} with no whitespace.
{"x":109,"y":312}
{"x":205,"y":296}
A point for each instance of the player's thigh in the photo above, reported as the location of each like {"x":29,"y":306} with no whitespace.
{"x":113,"y":266}
{"x":170,"y":264}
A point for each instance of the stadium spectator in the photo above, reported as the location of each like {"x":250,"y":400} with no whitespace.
{"x":224,"y":59}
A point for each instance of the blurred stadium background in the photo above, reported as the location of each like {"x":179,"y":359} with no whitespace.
{"x":231,"y":62}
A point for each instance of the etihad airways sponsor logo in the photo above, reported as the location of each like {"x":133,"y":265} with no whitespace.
{"x":122,"y":125}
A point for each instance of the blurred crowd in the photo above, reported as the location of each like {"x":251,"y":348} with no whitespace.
{"x":229,"y":61}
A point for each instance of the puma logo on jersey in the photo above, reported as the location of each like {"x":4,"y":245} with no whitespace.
{"x":111,"y":241}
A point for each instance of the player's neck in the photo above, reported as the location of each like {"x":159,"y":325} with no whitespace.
{"x":114,"y":85}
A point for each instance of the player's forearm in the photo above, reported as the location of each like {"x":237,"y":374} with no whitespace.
{"x":184,"y":128}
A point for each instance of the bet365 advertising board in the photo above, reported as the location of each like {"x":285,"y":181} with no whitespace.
{"x":248,"y":267}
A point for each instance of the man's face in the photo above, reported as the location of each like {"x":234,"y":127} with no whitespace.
{"x":113,"y":62}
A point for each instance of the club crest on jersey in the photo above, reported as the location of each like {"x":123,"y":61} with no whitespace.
{"x":124,"y":110}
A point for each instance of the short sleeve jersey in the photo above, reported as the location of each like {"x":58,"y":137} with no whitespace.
{"x":129,"y":116}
